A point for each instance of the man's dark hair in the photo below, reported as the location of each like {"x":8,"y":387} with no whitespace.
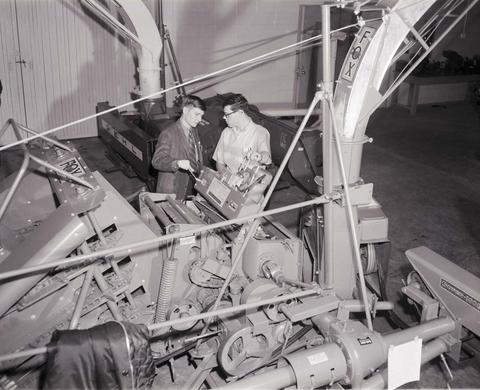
{"x":195,"y":101}
{"x":236,"y":102}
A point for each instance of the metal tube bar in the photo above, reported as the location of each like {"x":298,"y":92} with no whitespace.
{"x":234,"y":309}
{"x":60,"y":172}
{"x":103,"y":286}
{"x":357,"y":306}
{"x":5,"y":127}
{"x":280,"y":378}
{"x":96,"y":227}
{"x":23,"y":354}
{"x":426,"y":331}
{"x":429,"y":351}
{"x":412,"y":29}
{"x":353,"y":229}
{"x":128,"y":249}
{"x":327,"y":152}
{"x":48,"y":139}
{"x":390,"y":90}
{"x":16,"y":183}
{"x":178,"y":75}
{"x":81,"y":298}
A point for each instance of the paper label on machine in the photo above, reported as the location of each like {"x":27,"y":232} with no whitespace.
{"x":404,"y":362}
{"x":318,"y":358}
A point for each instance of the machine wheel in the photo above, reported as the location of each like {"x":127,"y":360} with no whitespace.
{"x":242,"y":351}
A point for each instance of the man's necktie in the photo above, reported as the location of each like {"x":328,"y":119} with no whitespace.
{"x":192,"y":151}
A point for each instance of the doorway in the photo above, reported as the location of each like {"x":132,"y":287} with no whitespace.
{"x":309,"y":69}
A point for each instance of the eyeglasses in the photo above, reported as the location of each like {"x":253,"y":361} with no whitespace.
{"x":226,"y":115}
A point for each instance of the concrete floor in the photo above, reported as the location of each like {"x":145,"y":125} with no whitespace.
{"x":426,"y":174}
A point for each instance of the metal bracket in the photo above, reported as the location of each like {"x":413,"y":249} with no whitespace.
{"x":415,"y":33}
{"x":359,"y":195}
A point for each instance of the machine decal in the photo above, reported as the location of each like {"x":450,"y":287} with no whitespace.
{"x":365,"y":341}
{"x":460,"y":294}
{"x":356,"y":53}
{"x":72,"y":166}
{"x":189,"y":240}
{"x":218,"y":191}
{"x":120,"y":138}
{"x":317,"y":358}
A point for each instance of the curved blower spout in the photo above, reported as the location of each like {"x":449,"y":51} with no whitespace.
{"x":145,"y":35}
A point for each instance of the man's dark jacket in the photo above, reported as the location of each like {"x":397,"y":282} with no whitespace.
{"x":172,"y":145}
{"x":113,"y":355}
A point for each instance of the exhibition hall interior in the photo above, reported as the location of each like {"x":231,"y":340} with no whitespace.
{"x":239,"y":194}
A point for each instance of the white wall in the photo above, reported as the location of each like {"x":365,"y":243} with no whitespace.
{"x":213,"y":34}
{"x":73,"y":61}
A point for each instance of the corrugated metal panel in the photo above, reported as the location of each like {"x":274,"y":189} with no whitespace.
{"x":12,"y":96}
{"x":72,"y":62}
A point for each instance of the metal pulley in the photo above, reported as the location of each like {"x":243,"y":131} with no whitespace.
{"x":243,"y":350}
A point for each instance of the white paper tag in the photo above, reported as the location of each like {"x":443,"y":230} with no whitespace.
{"x":317,"y":358}
{"x":189,"y":240}
{"x":404,"y":363}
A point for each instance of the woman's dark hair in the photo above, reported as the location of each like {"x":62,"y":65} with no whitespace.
{"x":236,"y":102}
{"x":195,"y":101}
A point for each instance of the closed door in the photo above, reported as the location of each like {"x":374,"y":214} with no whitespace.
{"x":58,"y":62}
{"x":309,"y":68}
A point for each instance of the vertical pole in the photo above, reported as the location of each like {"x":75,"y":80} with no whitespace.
{"x":161,"y":29}
{"x":327,"y":149}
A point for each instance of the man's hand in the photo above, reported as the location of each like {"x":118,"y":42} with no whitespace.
{"x":185,"y":165}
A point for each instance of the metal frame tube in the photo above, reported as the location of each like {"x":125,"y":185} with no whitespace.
{"x":45,"y":138}
{"x":96,"y":228}
{"x":327,"y":150}
{"x":235,"y":309}
{"x":128,"y":249}
{"x":429,"y":351}
{"x":426,"y":331}
{"x":16,"y":183}
{"x":81,"y":298}
{"x":281,"y":378}
{"x":60,"y":172}
{"x":351,"y":222}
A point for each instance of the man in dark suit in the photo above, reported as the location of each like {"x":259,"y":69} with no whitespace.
{"x":179,"y":150}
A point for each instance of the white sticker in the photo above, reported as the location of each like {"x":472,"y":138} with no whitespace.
{"x":404,"y":362}
{"x":318,"y":358}
{"x":189,"y":240}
